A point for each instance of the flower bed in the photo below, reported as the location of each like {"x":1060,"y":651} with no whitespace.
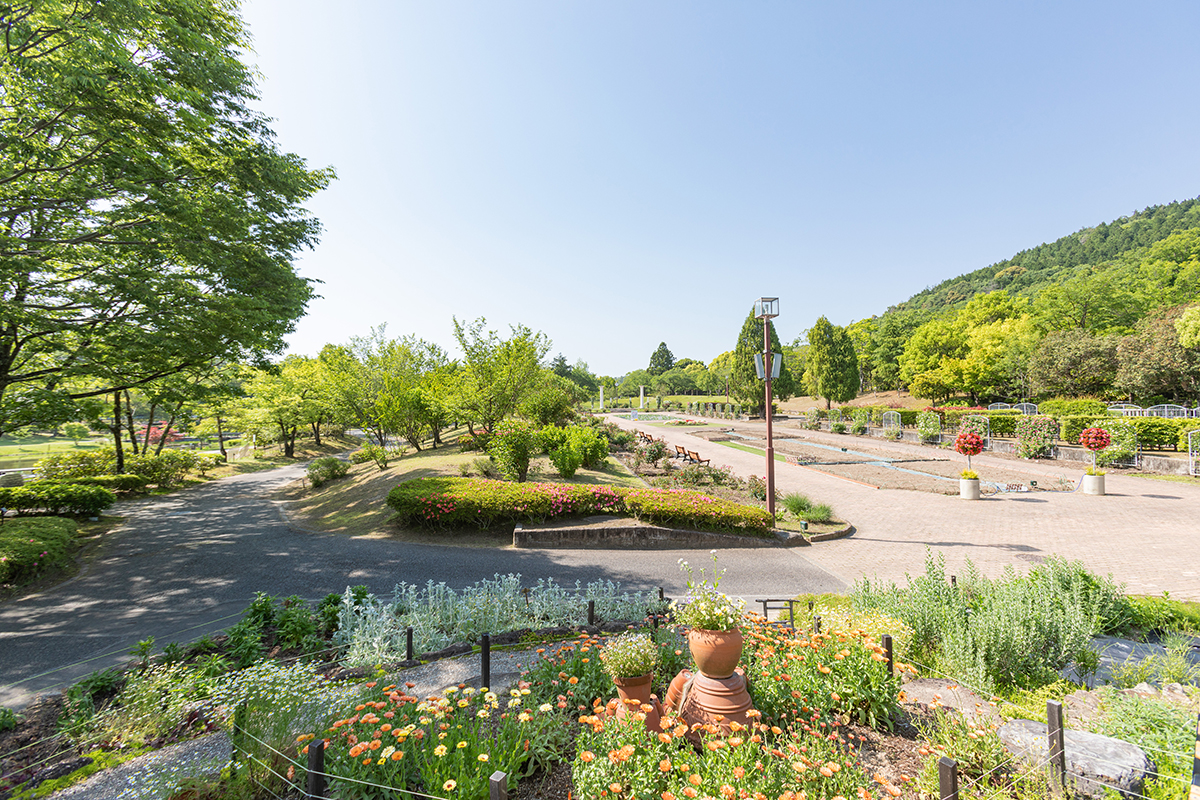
{"x":482,"y":503}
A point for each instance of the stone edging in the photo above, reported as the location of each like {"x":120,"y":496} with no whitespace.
{"x":631,"y":533}
{"x":829,"y":536}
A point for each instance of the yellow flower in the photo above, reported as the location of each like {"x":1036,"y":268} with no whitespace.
{"x":461,"y":745}
{"x":440,"y":750}
{"x":483,"y":756}
{"x":449,"y":786}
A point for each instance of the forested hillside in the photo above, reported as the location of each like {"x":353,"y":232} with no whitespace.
{"x":1111,"y":311}
{"x":1030,"y":270}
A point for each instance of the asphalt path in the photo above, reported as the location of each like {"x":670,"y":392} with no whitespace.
{"x":187,"y":564}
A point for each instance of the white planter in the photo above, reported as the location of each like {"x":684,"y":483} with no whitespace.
{"x":1093,"y":484}
{"x":968,"y":488}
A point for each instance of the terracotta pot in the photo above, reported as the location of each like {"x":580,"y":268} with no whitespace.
{"x":635,"y":696}
{"x":716,"y":653}
{"x":715,"y":702}
{"x":968,"y":488}
{"x":675,"y":690}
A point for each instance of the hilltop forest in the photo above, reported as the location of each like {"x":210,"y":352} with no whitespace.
{"x":1111,"y":311}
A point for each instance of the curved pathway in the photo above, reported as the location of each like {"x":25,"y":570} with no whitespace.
{"x":1146,"y":533}
{"x":187,"y":564}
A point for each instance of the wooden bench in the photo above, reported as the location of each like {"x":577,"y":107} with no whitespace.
{"x":696,"y":459}
{"x":681,"y":453}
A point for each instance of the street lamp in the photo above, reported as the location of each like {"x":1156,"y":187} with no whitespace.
{"x":767,"y":308}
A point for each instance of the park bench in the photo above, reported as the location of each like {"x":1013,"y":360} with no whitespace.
{"x":696,"y":459}
{"x":680,"y":452}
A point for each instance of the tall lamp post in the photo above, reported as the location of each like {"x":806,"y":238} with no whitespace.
{"x":766,"y":309}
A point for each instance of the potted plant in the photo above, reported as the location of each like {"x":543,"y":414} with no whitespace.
{"x":1095,"y":440}
{"x":969,"y":444}
{"x":712,"y":620}
{"x":630,"y":660}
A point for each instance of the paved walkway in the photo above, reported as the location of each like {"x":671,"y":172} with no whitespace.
{"x":1146,"y":533}
{"x":189,"y":563}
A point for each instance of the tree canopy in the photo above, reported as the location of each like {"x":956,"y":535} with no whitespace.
{"x":661,"y":360}
{"x":831,"y":368}
{"x":744,"y":383}
{"x":148,"y":220}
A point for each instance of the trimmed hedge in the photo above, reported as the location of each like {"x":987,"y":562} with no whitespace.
{"x":116,"y":483}
{"x":1183,"y":426}
{"x":56,"y":498}
{"x":445,"y":502}
{"x":1153,"y":433}
{"x":29,"y":546}
{"x":1073,"y":407}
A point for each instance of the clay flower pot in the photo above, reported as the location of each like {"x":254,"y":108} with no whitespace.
{"x":634,"y":694}
{"x":716,"y":653}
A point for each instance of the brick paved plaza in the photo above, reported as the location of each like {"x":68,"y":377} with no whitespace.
{"x":1145,"y":532}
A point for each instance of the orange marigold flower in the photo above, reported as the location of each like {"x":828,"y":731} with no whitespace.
{"x":689,"y":792}
{"x":694,"y":779}
{"x":587,"y":756}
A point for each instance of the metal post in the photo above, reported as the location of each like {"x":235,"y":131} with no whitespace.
{"x":767,"y":411}
{"x":498,"y":786}
{"x":316,"y":770}
{"x":1058,"y":756}
{"x":591,"y":612}
{"x":947,"y":778}
{"x":792,"y":614}
{"x":485,"y":662}
{"x":953,"y":581}
{"x":408,"y":644}
{"x":1195,"y":793}
{"x":887,"y":649}
{"x":660,"y":594}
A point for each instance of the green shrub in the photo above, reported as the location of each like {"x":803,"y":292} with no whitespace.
{"x":550,"y":438}
{"x":591,"y":446}
{"x":360,"y":456}
{"x":812,"y":420}
{"x":1035,"y":436}
{"x":116,"y":483}
{"x":1004,"y":423}
{"x":11,"y":480}
{"x":28,"y":547}
{"x":929,"y":426}
{"x":1164,"y":730}
{"x":1183,"y":426}
{"x":296,"y":626}
{"x":71,"y":464}
{"x":1073,"y":407}
{"x":992,"y":634}
{"x":1163,"y":615}
{"x":476,"y":502}
{"x":1124,"y":444}
{"x":511,"y":446}
{"x":57,"y":498}
{"x":1155,"y":433}
{"x":1070,"y":427}
{"x":566,"y":460}
{"x":165,"y":469}
{"x":838,"y":427}
{"x":325,"y":469}
{"x":8,"y":719}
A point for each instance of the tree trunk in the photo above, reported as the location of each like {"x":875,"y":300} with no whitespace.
{"x":289,"y":440}
{"x":149,"y":425}
{"x":316,"y":429}
{"x":129,"y":420}
{"x":828,"y":404}
{"x":118,"y":433}
{"x":162,"y":440}
{"x":221,"y":439}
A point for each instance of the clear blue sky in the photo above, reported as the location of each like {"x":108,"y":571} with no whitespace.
{"x":616,"y":174}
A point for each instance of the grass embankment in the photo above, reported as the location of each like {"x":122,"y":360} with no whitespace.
{"x":356,"y":505}
{"x":37,"y":552}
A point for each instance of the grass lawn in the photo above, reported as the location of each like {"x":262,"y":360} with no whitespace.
{"x":356,"y":506}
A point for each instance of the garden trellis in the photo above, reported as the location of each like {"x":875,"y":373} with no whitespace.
{"x":1028,"y":409}
{"x":891,"y":423}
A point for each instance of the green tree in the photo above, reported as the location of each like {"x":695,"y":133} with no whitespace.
{"x":744,"y":383}
{"x":1152,"y":364}
{"x":497,"y":375}
{"x":889,"y":339}
{"x":831,"y":370}
{"x":862,"y":335}
{"x":1073,"y":364}
{"x":148,"y":221}
{"x":661,"y":360}
{"x":1188,"y":327}
{"x":280,"y":402}
{"x":1096,"y":300}
{"x":74,"y":431}
{"x":927,"y":356}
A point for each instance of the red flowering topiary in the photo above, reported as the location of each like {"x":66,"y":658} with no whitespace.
{"x":969,"y":444}
{"x":1095,"y":438}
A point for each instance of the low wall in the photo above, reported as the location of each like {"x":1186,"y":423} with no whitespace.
{"x":631,"y":534}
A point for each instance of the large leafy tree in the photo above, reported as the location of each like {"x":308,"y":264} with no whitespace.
{"x":1153,"y":365}
{"x":497,"y":375}
{"x":148,"y":221}
{"x":831,"y":368}
{"x":744,"y":383}
{"x":1074,"y":363}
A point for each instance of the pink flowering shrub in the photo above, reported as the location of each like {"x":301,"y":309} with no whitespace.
{"x":479,"y":502}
